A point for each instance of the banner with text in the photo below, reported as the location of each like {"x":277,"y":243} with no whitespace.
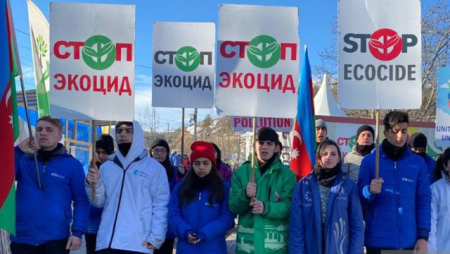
{"x":92,"y":61}
{"x":246,"y":123}
{"x":380,"y":54}
{"x":258,"y":61}
{"x":442,"y":131}
{"x":183,"y":69}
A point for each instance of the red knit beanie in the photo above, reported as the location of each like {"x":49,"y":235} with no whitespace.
{"x":201,"y":149}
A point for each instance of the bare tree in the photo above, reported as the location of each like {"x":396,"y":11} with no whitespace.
{"x":206,"y":127}
{"x":150,"y":123}
{"x":435,"y":54}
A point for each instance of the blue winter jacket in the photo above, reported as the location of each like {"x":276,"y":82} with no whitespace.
{"x":401,"y":213}
{"x":343,"y":223}
{"x":45,"y":215}
{"x":95,"y":217}
{"x":210,"y":222}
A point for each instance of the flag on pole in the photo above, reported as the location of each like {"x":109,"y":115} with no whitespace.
{"x":8,"y":118}
{"x":40,"y":40}
{"x":304,"y":142}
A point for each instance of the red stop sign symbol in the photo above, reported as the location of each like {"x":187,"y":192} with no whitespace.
{"x":385,"y":44}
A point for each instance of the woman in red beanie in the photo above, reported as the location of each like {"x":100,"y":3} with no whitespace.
{"x":198,"y":208}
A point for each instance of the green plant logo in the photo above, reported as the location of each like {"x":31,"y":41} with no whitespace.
{"x":187,"y":59}
{"x":41,"y":46}
{"x":352,"y":141}
{"x":264,"y":51}
{"x":99,"y":52}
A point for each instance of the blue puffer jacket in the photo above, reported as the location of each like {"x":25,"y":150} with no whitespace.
{"x":95,"y":217}
{"x":46,"y":214}
{"x":401,"y":213}
{"x":211,"y":222}
{"x":343,"y":223}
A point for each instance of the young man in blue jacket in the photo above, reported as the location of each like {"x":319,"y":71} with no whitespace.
{"x":398,"y":202}
{"x":46,"y":222}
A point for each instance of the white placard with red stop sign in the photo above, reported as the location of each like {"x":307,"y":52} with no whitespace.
{"x":380,"y":54}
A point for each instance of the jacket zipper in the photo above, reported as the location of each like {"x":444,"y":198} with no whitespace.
{"x":397,"y":204}
{"x":42,"y":179}
{"x":118,"y":204}
{"x":198,"y":217}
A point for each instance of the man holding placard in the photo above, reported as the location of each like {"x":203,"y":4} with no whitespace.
{"x":134,"y":191}
{"x":263,"y":205}
{"x":398,"y":202}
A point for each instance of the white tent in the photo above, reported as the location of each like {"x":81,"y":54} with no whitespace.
{"x":324,"y":102}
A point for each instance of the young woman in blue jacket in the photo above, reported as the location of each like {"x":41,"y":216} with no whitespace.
{"x":326,"y":215}
{"x":198,"y":208}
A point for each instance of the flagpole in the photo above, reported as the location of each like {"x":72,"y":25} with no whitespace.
{"x":22,"y":85}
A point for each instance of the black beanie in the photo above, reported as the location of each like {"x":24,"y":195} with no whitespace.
{"x":418,"y":140}
{"x":267,"y":134}
{"x":160,"y":142}
{"x":105,"y":142}
{"x":365,"y":127}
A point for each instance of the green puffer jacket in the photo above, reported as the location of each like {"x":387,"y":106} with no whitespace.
{"x":267,"y":232}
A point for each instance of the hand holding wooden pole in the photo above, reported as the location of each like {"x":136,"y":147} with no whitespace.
{"x":252,"y":176}
{"x":377,"y":144}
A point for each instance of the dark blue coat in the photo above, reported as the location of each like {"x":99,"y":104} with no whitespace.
{"x":401,"y":213}
{"x":343,"y":223}
{"x":209,"y":221}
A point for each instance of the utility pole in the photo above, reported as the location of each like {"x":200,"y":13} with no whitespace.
{"x":167,"y":136}
{"x":193,"y":118}
{"x":195,"y":124}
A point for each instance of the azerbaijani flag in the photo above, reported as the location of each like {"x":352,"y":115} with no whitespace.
{"x":304,"y":142}
{"x":8,"y":117}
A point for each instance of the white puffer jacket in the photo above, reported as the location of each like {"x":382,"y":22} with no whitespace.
{"x":438,"y":241}
{"x":134,"y":192}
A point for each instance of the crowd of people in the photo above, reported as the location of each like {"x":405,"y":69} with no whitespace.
{"x":135,"y":200}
